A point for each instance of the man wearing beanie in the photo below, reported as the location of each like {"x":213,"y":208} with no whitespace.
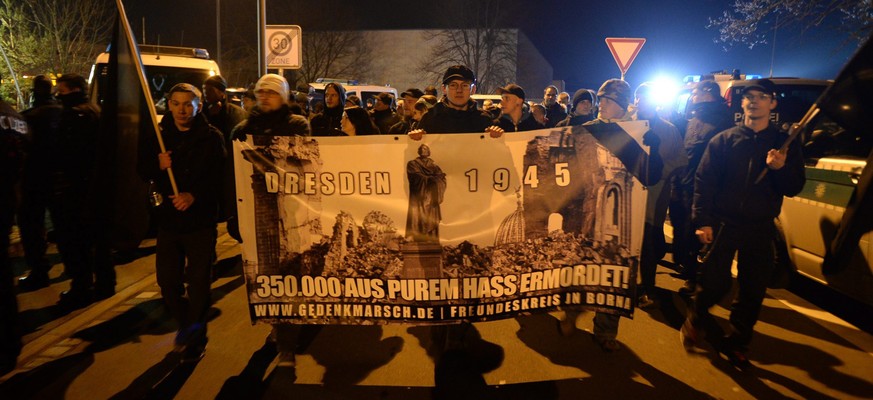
{"x":583,"y":104}
{"x":329,"y":121}
{"x":672,"y":152}
{"x":224,"y":115}
{"x":186,"y":219}
{"x":270,"y":117}
{"x":515,"y":115}
{"x":614,"y":96}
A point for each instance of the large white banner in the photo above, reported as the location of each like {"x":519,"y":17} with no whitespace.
{"x":460,"y":227}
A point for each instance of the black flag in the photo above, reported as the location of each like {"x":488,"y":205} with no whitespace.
{"x":849,"y":102}
{"x":125,"y":118}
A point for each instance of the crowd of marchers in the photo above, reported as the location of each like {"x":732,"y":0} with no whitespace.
{"x":704,"y":173}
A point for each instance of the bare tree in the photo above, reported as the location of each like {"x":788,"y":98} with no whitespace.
{"x":335,"y":54}
{"x":751,"y":22}
{"x":481,"y":44}
{"x":73,"y":32}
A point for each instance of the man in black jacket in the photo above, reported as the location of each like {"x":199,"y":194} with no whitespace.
{"x":555,"y":112}
{"x":515,"y":114}
{"x":13,"y":131}
{"x":456,"y":112}
{"x":72,"y":154}
{"x":734,"y":212}
{"x":188,"y":214}
{"x":709,"y":116}
{"x":44,"y":119}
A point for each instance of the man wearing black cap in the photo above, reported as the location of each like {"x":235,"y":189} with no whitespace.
{"x":734,"y":214}
{"x":383,"y":114}
{"x":410,"y":97}
{"x":515,"y":114}
{"x":456,"y":112}
{"x":584,"y":103}
{"x":709,"y":116}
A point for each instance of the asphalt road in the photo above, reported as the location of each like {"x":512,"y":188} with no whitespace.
{"x":118,"y":348}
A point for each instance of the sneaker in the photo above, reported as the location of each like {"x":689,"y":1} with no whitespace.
{"x":689,"y":336}
{"x":736,"y":357}
{"x":73,"y":299}
{"x":688,"y":289}
{"x":193,"y":353}
{"x":607,"y":345}
{"x":286,"y":360}
{"x":645,"y":301}
{"x":33,"y":282}
{"x":566,"y":326}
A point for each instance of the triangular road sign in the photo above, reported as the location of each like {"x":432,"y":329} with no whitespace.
{"x":624,"y":50}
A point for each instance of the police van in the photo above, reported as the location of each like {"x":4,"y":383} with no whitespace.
{"x":794,"y":95}
{"x":165,"y":66}
{"x":835,"y":155}
{"x":366,"y":93}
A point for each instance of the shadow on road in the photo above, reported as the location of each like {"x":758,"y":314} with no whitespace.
{"x":615,"y":375}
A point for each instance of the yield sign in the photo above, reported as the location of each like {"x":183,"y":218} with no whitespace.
{"x":624,"y":50}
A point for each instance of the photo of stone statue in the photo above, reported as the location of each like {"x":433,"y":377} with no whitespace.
{"x":427,"y":185}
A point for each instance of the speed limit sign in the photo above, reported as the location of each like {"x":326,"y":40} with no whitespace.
{"x":283,"y":46}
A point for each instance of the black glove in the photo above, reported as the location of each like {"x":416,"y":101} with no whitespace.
{"x":651,"y":139}
{"x":239,"y":135}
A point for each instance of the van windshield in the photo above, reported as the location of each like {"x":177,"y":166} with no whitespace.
{"x":160,"y":79}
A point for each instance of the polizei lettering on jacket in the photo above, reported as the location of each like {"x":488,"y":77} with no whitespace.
{"x":326,"y":183}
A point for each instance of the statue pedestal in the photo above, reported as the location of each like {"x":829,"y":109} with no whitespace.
{"x":422,"y":260}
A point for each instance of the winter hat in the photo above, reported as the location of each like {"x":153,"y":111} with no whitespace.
{"x":616,"y":90}
{"x":217,"y":81}
{"x":276,"y":83}
{"x":710,"y":87}
{"x":583,"y":94}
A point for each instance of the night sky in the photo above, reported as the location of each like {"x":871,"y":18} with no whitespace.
{"x":569,"y":34}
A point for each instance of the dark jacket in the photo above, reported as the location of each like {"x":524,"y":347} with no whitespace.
{"x":707,"y":119}
{"x":573,"y":119}
{"x":13,"y":137}
{"x":281,"y":122}
{"x":198,"y":158}
{"x":228,"y":117}
{"x":403,"y":127}
{"x":328,"y":123}
{"x":554,"y":114}
{"x":44,"y":119}
{"x":384,"y":120}
{"x":527,"y":122}
{"x":71,"y":152}
{"x":725,"y":189}
{"x":444,"y":119}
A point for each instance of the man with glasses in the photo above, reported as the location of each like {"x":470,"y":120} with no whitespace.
{"x":456,"y":112}
{"x":734,"y":212}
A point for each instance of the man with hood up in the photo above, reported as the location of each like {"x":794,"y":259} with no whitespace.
{"x":186,"y":221}
{"x":584,"y":104}
{"x":329,"y":121}
{"x":709,"y":116}
{"x":515,"y":115}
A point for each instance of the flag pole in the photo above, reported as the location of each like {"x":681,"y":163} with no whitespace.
{"x":128,"y":34}
{"x":792,"y":134}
